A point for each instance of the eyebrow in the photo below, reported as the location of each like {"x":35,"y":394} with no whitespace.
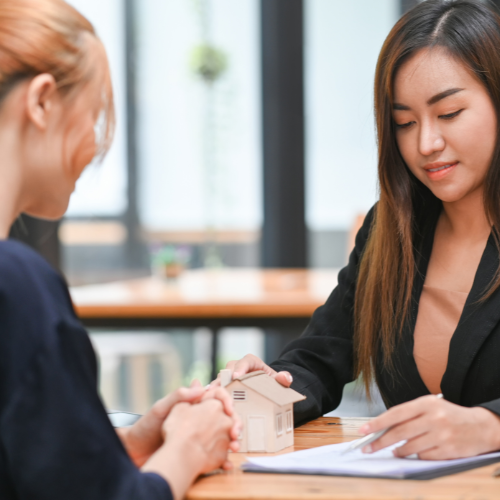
{"x":433,"y":100}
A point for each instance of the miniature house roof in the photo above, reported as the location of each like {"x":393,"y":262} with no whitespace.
{"x":266,"y":386}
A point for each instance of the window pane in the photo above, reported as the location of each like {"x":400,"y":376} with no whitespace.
{"x":199,"y":144}
{"x":101,"y":191}
{"x":343,"y":40}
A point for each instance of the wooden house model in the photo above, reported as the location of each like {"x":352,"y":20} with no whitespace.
{"x":265,"y":408}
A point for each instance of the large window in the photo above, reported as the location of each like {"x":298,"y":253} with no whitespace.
{"x":343,"y":39}
{"x":199,"y":138}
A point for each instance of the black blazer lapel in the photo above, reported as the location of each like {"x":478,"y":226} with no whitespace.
{"x":476,"y":323}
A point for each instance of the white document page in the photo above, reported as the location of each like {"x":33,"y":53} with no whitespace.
{"x":329,"y":460}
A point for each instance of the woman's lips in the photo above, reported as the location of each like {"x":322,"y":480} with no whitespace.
{"x":439,"y":172}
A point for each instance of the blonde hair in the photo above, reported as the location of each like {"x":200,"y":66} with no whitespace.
{"x":50,"y":36}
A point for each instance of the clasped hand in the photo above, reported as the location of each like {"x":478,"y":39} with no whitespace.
{"x":148,"y":434}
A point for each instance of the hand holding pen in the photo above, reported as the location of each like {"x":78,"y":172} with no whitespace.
{"x":434,"y":429}
{"x":363,"y":443}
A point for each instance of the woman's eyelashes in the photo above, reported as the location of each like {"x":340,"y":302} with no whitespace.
{"x":448,"y":116}
{"x":403,"y":125}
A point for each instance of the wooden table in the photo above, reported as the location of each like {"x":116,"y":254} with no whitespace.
{"x":236,"y":485}
{"x":266,"y":298}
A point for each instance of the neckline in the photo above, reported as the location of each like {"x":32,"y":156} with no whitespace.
{"x":420,"y":276}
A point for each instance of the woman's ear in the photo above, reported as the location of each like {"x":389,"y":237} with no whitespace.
{"x":41,"y":92}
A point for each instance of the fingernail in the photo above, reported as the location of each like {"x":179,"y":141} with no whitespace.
{"x":289,"y":378}
{"x":367,"y":449}
{"x":365,"y":429}
{"x":236,"y":375}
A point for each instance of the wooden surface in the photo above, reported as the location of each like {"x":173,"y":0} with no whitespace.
{"x":204,"y":293}
{"x":474,"y":484}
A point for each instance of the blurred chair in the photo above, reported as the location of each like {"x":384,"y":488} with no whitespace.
{"x":136,"y":369}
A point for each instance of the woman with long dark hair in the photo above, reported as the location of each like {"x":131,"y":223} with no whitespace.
{"x":417,"y":309}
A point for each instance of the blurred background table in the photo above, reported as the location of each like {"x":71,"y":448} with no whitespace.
{"x":265,"y":298}
{"x":236,"y":485}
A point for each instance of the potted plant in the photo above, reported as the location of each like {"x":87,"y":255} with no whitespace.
{"x":170,"y":261}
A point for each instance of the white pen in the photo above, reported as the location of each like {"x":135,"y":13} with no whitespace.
{"x":369,"y":438}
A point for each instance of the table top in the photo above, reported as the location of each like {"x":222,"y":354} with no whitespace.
{"x":227,"y":292}
{"x":236,"y":485}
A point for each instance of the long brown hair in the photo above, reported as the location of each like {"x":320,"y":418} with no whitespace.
{"x":50,"y":36}
{"x":470,"y":31}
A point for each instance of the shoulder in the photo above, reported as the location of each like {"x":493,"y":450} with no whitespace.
{"x":14,"y":252}
{"x":361,"y":239}
{"x":348,"y":276}
{"x":24,"y":270}
{"x":29,"y":285}
{"x":364,"y":232}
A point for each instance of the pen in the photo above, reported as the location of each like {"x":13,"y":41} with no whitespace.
{"x":360,"y":443}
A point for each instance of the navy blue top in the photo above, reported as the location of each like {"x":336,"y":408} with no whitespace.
{"x":56,"y":441}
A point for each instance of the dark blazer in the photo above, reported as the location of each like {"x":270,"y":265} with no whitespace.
{"x":321,"y":360}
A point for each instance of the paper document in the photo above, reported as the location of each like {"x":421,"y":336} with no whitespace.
{"x":327,"y":460}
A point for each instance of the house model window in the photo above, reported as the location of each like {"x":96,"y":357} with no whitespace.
{"x":289,"y":421}
{"x":279,"y":424}
{"x":265,"y":408}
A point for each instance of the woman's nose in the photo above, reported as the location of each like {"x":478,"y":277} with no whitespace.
{"x":430,"y":140}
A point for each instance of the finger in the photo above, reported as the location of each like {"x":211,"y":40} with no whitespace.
{"x":163,"y":406}
{"x":195,"y":383}
{"x":234,"y":446}
{"x":417,"y":445}
{"x":223,"y":396}
{"x":251,"y":363}
{"x":401,"y":432}
{"x":400,"y":413}
{"x":227,"y":465}
{"x":213,"y":408}
{"x":230,"y":364}
{"x":284,"y":378}
{"x":237,"y":427}
{"x":238,"y":423}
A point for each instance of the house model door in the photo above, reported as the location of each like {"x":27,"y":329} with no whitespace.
{"x":256,"y":433}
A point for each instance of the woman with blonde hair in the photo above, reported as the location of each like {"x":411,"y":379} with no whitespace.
{"x":56,"y":441}
{"x":417,"y":309}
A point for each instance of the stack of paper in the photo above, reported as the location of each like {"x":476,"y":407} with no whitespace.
{"x":329,"y":460}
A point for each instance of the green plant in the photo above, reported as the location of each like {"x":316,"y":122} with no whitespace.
{"x":170,"y":255}
{"x":208,"y":62}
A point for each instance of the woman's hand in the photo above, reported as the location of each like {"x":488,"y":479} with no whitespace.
{"x":436,"y":429}
{"x":145,"y":436}
{"x":197,"y":440}
{"x":251,"y":363}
